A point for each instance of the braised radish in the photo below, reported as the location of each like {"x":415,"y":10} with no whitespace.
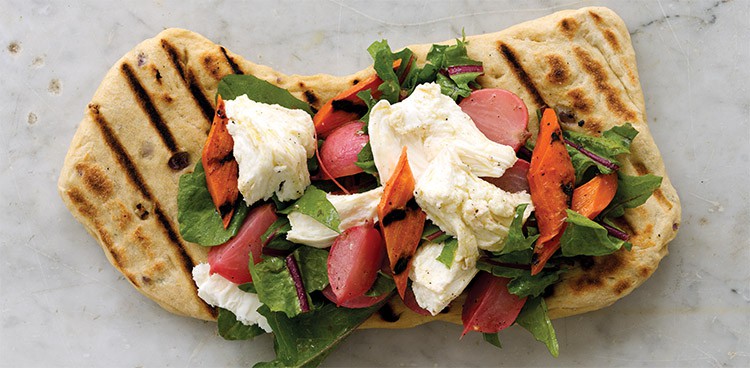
{"x":354,"y":260}
{"x":339,"y":151}
{"x":514,"y":179}
{"x":499,"y":114}
{"x":231,"y":259}
{"x":362,"y":301}
{"x":489,"y":307}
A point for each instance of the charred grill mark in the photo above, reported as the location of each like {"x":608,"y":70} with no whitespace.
{"x":235,"y":68}
{"x":612,"y":40}
{"x":521,"y":74}
{"x":135,"y":177}
{"x":144,"y":100}
{"x":393,"y":216}
{"x":599,"y":76}
{"x":348,"y":106}
{"x":189,"y":79}
{"x":401,"y":265}
{"x":567,"y":189}
{"x":558,"y":73}
{"x":225,"y":209}
{"x":412,"y":204}
{"x":569,"y":27}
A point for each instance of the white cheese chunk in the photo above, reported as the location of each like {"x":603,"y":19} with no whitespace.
{"x":354,"y":210}
{"x":434,"y":284}
{"x":463,"y":205}
{"x":271,"y":146}
{"x":220,"y":292}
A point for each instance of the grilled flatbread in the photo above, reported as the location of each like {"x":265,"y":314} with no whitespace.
{"x":147,"y":123}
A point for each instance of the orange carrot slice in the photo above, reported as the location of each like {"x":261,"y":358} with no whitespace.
{"x":551,"y":181}
{"x":220,"y":166}
{"x":401,"y":221}
{"x":592,"y":198}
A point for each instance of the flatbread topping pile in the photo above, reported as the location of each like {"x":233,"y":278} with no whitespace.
{"x":490,"y":180}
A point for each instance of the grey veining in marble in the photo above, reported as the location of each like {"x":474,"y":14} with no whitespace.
{"x":62,"y":303}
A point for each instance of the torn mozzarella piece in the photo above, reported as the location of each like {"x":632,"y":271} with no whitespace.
{"x":220,"y":292}
{"x":271,"y":146}
{"x":434,"y":284}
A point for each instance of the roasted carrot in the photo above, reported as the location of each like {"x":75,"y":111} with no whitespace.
{"x":220,"y":166}
{"x":346,"y":106}
{"x":401,"y":221}
{"x":551,"y":181}
{"x":592,"y":198}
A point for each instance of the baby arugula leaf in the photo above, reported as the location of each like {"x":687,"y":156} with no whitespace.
{"x":534,"y":318}
{"x":199,"y":221}
{"x":516,"y":239}
{"x":632,"y":191}
{"x":585,"y":237}
{"x":258,"y":90}
{"x":304,"y":341}
{"x":232,"y":329}
{"x":315,"y":204}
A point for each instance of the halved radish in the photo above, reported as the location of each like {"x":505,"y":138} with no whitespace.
{"x":354,"y":260}
{"x":489,"y":307}
{"x":362,"y":301}
{"x":514,"y":179}
{"x":231,"y":259}
{"x":339,"y":151}
{"x":499,"y":114}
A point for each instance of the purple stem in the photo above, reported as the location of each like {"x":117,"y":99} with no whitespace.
{"x":291,"y":264}
{"x":460,"y":69}
{"x":435,"y":235}
{"x":600,"y":160}
{"x":617,"y":233}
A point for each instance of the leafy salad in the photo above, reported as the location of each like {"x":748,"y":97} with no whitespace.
{"x":312,"y":297}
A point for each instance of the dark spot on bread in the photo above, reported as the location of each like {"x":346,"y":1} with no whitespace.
{"x":621,"y":287}
{"x":310,"y":97}
{"x":595,"y":276}
{"x":146,"y":280}
{"x":659,"y":195}
{"x":95,"y":179}
{"x":387,"y":313}
{"x":179,"y":161}
{"x":568,"y":27}
{"x":579,"y":101}
{"x":355,"y":81}
{"x":94,"y":108}
{"x":167,"y":98}
{"x":212,"y":66}
{"x":301,"y":85}
{"x":600,"y":76}
{"x":640,"y":168}
{"x":157,"y":74}
{"x":141,"y":211}
{"x":558,"y":72}
{"x":586,"y":262}
{"x":644,"y":272}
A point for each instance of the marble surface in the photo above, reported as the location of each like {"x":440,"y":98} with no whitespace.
{"x":62,"y":303}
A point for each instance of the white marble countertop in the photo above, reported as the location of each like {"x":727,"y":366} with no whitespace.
{"x":63,"y":304}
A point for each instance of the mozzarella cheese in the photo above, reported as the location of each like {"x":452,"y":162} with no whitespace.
{"x":354,"y":210}
{"x":271,"y":146}
{"x":447,"y":154}
{"x":434,"y":284}
{"x":220,"y":292}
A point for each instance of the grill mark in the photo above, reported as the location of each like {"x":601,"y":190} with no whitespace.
{"x":521,"y":74}
{"x":348,"y":106}
{"x":599,"y":74}
{"x":190,"y":82}
{"x":235,"y":68}
{"x":124,"y":160}
{"x":144,"y":100}
{"x":393,"y":216}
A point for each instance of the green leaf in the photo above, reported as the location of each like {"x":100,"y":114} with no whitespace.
{"x":306,"y":340}
{"x":449,"y":252}
{"x":585,"y":237}
{"x":609,"y":145}
{"x":313,"y":267}
{"x":534,"y":318}
{"x":366,"y":97}
{"x":248,"y":287}
{"x":383,"y":285}
{"x":632,"y":191}
{"x":517,"y":241}
{"x":235,"y":85}
{"x":232,"y":329}
{"x":315,"y":204}
{"x":277,"y":233}
{"x":366,"y":161}
{"x":492,"y":338}
{"x":533,"y":286}
{"x":199,"y":221}
{"x":383,"y":64}
{"x":431,"y":231}
{"x":275,"y":286}
{"x":501,"y":271}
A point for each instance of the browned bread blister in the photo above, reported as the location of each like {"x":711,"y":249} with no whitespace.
{"x":147,"y":122}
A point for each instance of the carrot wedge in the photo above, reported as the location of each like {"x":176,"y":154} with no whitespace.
{"x":346,"y":106}
{"x":401,"y":221}
{"x":221,"y":168}
{"x":551,"y":181}
{"x":592,"y":198}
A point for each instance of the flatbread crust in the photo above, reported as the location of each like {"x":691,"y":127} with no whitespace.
{"x":147,"y":122}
